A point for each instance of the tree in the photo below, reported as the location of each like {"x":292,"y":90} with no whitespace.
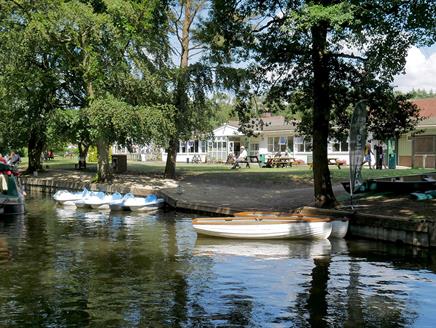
{"x":192,"y":82}
{"x":114,"y":121}
{"x":94,"y":45}
{"x":29,"y":76}
{"x":334,"y":53}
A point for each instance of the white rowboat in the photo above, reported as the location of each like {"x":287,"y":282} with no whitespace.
{"x":339,"y":221}
{"x":258,"y":227}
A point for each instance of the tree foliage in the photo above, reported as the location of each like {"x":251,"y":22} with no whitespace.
{"x":319,"y":58}
{"x":66,"y":54}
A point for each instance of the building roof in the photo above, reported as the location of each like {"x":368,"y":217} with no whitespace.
{"x":278,"y":123}
{"x":271,"y":123}
{"x":428,"y":109}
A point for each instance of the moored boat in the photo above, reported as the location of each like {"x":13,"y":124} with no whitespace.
{"x":264,"y":227}
{"x":339,"y":219}
{"x":83,"y":202}
{"x":101,"y":201}
{"x":11,"y":195}
{"x":118,"y":204}
{"x":400,"y":184}
{"x":143,"y":204}
{"x":68,"y":198}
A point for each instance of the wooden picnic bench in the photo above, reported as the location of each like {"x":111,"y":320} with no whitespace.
{"x":332,"y":161}
{"x":280,"y":162}
{"x":250,"y":159}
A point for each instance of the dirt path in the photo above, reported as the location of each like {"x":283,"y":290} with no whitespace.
{"x":248,"y":192}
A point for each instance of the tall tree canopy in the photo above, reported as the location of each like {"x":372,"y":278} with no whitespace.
{"x":191,"y":81}
{"x":68,"y":54}
{"x":320,"y":57}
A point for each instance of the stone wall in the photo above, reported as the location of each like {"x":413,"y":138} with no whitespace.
{"x":51,"y":186}
{"x":394,"y":229}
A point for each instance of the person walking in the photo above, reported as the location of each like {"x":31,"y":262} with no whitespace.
{"x":367,"y":152}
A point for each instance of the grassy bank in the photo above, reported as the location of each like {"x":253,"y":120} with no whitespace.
{"x":300,"y":174}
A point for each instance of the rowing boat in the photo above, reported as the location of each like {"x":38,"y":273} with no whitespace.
{"x":264,"y":227}
{"x":339,"y":219}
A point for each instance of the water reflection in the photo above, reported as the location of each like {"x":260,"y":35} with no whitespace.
{"x":68,"y":267}
{"x":264,"y":250}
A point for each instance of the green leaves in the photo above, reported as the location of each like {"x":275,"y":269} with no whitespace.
{"x":118,"y":122}
{"x":337,"y":15}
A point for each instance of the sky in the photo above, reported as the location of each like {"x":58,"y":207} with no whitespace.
{"x":420,"y":70}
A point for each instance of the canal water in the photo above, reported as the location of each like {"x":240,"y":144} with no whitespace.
{"x":72,"y":268}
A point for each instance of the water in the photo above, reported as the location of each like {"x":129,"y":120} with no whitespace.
{"x":68,"y":268}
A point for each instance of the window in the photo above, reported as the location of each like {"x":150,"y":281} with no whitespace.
{"x":254,"y":149}
{"x":281,"y":143}
{"x":339,"y":146}
{"x":191,"y":146}
{"x":303,"y":145}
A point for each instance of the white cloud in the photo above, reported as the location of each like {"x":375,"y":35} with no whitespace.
{"x":420,"y":71}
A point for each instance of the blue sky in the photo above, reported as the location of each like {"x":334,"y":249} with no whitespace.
{"x":420,"y":70}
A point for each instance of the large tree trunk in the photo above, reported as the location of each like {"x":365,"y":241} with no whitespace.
{"x":181,"y":99}
{"x":35,"y":149}
{"x":324,"y":196}
{"x":170,"y":167}
{"x":104,"y":172}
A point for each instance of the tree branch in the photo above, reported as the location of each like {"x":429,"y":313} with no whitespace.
{"x":350,"y":56}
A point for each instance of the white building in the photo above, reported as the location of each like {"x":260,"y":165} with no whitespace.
{"x":277,"y":135}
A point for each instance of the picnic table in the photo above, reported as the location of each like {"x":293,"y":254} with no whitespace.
{"x":280,"y":162}
{"x":248,"y":160}
{"x":332,"y":161}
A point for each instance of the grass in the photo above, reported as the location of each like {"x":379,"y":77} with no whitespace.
{"x":299,"y":174}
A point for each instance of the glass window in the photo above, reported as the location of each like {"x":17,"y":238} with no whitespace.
{"x":307,"y":145}
{"x":344,"y":146}
{"x":254,"y":149}
{"x":290,"y":144}
{"x":270,"y":144}
{"x":338,"y":146}
{"x":303,"y":145}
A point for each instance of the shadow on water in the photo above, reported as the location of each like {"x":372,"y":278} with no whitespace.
{"x":68,"y":267}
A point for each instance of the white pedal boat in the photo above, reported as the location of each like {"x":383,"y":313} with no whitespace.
{"x":82,"y":203}
{"x":143,"y":204}
{"x":68,"y":198}
{"x":264,"y":227}
{"x":100,"y":201}
{"x":118,"y":204}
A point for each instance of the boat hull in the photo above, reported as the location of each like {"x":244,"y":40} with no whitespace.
{"x":265,"y":229}
{"x":339,"y":221}
{"x":12,"y":209}
{"x":103,"y":206}
{"x":339,"y":228}
{"x":400,"y":184}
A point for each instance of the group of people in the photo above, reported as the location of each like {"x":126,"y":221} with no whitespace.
{"x":378,"y":155}
{"x":12,"y":159}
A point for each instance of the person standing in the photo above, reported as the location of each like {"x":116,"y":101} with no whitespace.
{"x":379,"y":156}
